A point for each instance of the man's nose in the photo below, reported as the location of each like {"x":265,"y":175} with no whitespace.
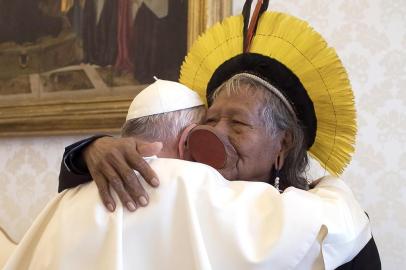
{"x":221,"y":127}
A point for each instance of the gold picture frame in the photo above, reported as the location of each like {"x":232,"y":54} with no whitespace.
{"x":59,"y":113}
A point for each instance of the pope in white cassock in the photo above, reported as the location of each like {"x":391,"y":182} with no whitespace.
{"x":196,"y":219}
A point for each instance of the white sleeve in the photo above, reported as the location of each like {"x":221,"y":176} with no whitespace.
{"x":348,"y":228}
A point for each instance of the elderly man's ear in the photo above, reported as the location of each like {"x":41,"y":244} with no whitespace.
{"x":286,"y":144}
{"x":183,"y":152}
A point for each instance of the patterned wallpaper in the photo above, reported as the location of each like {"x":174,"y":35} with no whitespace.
{"x":29,"y":170}
{"x":369,"y":35}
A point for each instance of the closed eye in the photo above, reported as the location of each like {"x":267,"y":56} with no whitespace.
{"x":210,"y":121}
{"x":236,"y":122}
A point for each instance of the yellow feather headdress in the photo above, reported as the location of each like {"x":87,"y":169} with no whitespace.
{"x":300,"y":48}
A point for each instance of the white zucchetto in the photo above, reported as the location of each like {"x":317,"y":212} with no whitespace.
{"x":162,"y":96}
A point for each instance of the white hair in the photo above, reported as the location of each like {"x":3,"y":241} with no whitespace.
{"x":163,"y":127}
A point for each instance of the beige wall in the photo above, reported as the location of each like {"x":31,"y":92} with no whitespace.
{"x":29,"y":170}
{"x":369,"y":35}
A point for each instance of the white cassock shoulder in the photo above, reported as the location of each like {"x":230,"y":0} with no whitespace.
{"x":244,"y":225}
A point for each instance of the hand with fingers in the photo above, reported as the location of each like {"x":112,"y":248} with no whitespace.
{"x":112,"y":161}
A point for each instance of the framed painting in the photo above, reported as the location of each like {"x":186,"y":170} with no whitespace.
{"x":74,"y":66}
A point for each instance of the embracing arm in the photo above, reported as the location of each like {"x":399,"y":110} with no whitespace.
{"x":74,"y":170}
{"x":110,"y":162}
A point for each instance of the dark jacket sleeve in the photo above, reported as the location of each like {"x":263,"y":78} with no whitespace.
{"x":74,"y":170}
{"x":367,"y":259}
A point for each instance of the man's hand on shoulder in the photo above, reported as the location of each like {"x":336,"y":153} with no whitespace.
{"x":112,"y":161}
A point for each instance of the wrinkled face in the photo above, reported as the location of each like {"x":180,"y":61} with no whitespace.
{"x":238,"y":117}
